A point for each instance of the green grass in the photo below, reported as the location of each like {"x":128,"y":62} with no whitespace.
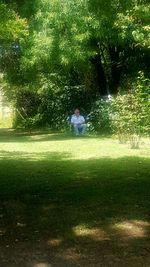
{"x":68,"y":201}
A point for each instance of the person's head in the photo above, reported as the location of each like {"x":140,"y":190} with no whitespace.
{"x":77,"y":112}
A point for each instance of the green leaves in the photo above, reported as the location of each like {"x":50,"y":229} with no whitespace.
{"x":12,"y":26}
{"x":92,"y":44}
{"x":132,"y":111}
{"x":133,"y":25}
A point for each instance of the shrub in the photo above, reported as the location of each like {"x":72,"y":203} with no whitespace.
{"x":54,"y":102}
{"x":131,"y":115}
{"x":100,"y":116}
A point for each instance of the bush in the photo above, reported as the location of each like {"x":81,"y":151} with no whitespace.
{"x":100,"y":117}
{"x":54,"y":102}
{"x":131,"y":115}
{"x":59,"y":101}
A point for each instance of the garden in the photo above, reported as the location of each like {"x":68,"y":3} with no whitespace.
{"x":69,"y":200}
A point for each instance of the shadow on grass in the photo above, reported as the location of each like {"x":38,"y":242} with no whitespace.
{"x":59,"y":212}
{"x":37,"y":156}
{"x":9,"y":136}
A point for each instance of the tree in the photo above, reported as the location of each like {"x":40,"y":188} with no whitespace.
{"x":77,"y":43}
{"x":12,"y":26}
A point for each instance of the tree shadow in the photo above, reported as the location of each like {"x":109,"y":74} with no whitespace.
{"x":30,"y":156}
{"x":10,"y":135}
{"x":61,"y":212}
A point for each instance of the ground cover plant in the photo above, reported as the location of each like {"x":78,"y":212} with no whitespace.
{"x":69,"y":201}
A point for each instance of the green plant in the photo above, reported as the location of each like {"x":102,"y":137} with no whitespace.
{"x":100,"y":116}
{"x":131,"y":112}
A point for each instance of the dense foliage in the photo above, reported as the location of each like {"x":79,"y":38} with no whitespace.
{"x":58,"y":55}
{"x":131,"y":112}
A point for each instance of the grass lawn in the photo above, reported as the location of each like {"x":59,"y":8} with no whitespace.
{"x":67,"y":202}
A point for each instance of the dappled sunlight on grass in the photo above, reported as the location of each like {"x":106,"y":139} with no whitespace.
{"x":96,"y":234}
{"x":54,"y":242}
{"x":38,"y":156}
{"x":73,"y":202}
{"x":71,"y":255}
{"x":132,"y":229}
{"x":125,"y":230}
{"x":42,"y":265}
{"x":72,"y":148}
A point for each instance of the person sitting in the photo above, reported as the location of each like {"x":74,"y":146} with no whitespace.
{"x":78,"y":123}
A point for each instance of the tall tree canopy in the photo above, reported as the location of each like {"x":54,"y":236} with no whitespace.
{"x":77,"y":42}
{"x":12,"y":27}
{"x":78,"y":36}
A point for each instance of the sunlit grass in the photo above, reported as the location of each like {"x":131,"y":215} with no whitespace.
{"x":35,"y":147}
{"x":132,"y":229}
